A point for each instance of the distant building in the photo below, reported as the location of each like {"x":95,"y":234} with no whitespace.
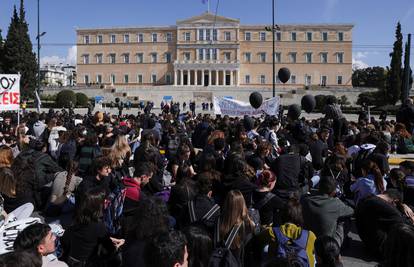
{"x":58,"y":75}
{"x":207,"y":50}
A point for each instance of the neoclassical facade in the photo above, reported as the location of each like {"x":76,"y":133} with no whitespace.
{"x":209,"y":50}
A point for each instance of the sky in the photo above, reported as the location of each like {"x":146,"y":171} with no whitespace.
{"x":373,"y":34}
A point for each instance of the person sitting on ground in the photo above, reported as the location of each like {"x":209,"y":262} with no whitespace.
{"x":325,"y":214}
{"x":398,"y":248}
{"x":133,"y":194}
{"x":39,"y":239}
{"x":167,"y":250}
{"x":407,"y":167}
{"x":327,"y":252}
{"x":376,"y":215}
{"x":200,"y":246}
{"x":20,"y":259}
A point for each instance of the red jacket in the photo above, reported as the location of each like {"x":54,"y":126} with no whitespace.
{"x":133,"y":189}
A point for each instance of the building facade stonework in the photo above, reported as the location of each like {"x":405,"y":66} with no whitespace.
{"x":209,"y":50}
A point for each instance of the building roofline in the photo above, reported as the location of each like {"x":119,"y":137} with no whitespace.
{"x":120,"y":28}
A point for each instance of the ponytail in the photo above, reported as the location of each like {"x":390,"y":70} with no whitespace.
{"x":71,"y":167}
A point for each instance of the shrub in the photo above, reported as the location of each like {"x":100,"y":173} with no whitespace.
{"x":64,"y":99}
{"x":81,"y":100}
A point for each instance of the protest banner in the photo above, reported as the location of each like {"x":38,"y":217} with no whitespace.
{"x":9,"y":92}
{"x":232,"y":107}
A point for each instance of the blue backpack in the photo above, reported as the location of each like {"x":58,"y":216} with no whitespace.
{"x":113,"y":208}
{"x":293,"y":249}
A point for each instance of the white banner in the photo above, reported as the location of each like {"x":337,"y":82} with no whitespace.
{"x":9,"y":92}
{"x":231,"y":107}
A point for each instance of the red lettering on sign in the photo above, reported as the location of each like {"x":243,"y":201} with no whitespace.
{"x":5,"y":99}
{"x":11,"y":98}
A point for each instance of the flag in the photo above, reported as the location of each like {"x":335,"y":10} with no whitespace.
{"x":38,"y":102}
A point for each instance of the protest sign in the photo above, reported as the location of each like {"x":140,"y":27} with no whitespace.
{"x":9,"y":92}
{"x":232,"y":107}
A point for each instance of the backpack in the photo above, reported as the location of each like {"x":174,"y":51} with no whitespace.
{"x":172,"y":146}
{"x":362,"y":155}
{"x":113,"y":207}
{"x":193,"y":218}
{"x":222,"y":255}
{"x":293,"y":249}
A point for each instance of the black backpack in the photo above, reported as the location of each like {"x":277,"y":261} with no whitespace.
{"x":222,"y":255}
{"x":193,"y":217}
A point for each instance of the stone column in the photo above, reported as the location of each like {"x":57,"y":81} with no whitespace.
{"x":182,"y":77}
{"x":175,"y":77}
{"x":209,"y":77}
{"x":202,"y":77}
{"x":217,"y":78}
{"x":188,"y":77}
{"x":231,"y":78}
{"x":238,"y":78}
{"x":224,"y":77}
{"x":195,"y":77}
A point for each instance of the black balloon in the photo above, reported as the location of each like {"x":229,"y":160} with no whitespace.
{"x":308,"y":103}
{"x":117,"y":100}
{"x":284,"y":75}
{"x":294,"y":112}
{"x":256,"y":100}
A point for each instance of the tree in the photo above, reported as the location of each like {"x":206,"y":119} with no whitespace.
{"x":394,"y":76}
{"x":65,"y":99}
{"x":81,"y":100}
{"x":1,"y":53}
{"x":18,"y":53}
{"x":404,"y":86}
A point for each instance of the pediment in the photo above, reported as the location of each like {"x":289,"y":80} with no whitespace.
{"x":208,"y":18}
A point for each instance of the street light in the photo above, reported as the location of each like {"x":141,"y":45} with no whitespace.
{"x":38,"y":54}
{"x":273,"y":28}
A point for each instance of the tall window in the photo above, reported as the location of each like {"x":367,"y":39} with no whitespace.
{"x":227,"y":56}
{"x":187,"y":56}
{"x":140,"y":38}
{"x":112,"y":78}
{"x":86,"y":79}
{"x":214,"y":54}
{"x":99,"y":78}
{"x":293,"y":79}
{"x":86,"y":39}
{"x":168,"y":57}
{"x":126,"y":38}
{"x":140,"y":58}
{"x":247,"y":57}
{"x":340,"y":58}
{"x":227,"y":36}
{"x":278,"y":57}
{"x":208,"y":34}
{"x":99,"y":39}
{"x":247,"y":36}
{"x":113,"y":38}
{"x":139,"y":78}
{"x":99,"y":58}
{"x":309,"y":36}
{"x":262,"y":36}
{"x":262,"y":57}
{"x":126,"y":58}
{"x":85,"y":59}
{"x":323,"y":80}
{"x":208,"y":54}
{"x":154,"y":38}
{"x":200,"y":54}
{"x":292,"y":57}
{"x":187,"y":36}
{"x":201,"y":35}
{"x":126,"y":78}
{"x":324,"y":57}
{"x":153,"y":57}
{"x":339,"y":80}
{"x":324,"y":36}
{"x":308,"y":80}
{"x":278,"y":36}
{"x":153,"y":78}
{"x":214,"y":34}
{"x":308,"y":57}
{"x":112,"y":58}
{"x":293,"y":36}
{"x":247,"y":79}
{"x":340,"y":36}
{"x":168,"y":37}
{"x":262,"y":79}
{"x":168,"y":79}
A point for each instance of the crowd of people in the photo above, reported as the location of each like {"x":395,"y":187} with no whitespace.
{"x":193,"y":190}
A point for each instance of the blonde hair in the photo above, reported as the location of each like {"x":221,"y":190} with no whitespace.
{"x":234,"y":213}
{"x":120,"y":151}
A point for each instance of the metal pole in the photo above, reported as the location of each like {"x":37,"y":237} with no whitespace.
{"x":38,"y":51}
{"x":273,"y":45}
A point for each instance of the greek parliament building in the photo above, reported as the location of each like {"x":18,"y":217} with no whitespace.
{"x":209,"y":50}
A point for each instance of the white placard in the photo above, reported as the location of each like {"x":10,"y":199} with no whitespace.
{"x":9,"y":92}
{"x":231,"y":107}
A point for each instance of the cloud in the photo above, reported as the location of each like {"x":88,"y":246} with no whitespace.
{"x":358,"y":64}
{"x":359,"y":55}
{"x":70,"y":58}
{"x":330,"y":6}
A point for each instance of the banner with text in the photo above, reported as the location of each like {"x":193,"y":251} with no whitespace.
{"x":231,"y":107}
{"x":9,"y":92}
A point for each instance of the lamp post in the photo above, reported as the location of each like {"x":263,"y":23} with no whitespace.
{"x":273,"y":30}
{"x":38,"y":51}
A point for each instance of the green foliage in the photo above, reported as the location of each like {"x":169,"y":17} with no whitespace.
{"x":371,"y":98}
{"x":65,"y":99}
{"x":18,"y":53}
{"x":374,"y":77}
{"x":1,"y":53}
{"x":404,"y":85}
{"x":81,"y":100}
{"x":393,"y":92}
{"x":344,"y":100}
{"x":321,"y":101}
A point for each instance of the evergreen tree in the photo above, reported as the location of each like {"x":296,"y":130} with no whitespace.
{"x":395,"y":73}
{"x":410,"y":73}
{"x":18,"y":53}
